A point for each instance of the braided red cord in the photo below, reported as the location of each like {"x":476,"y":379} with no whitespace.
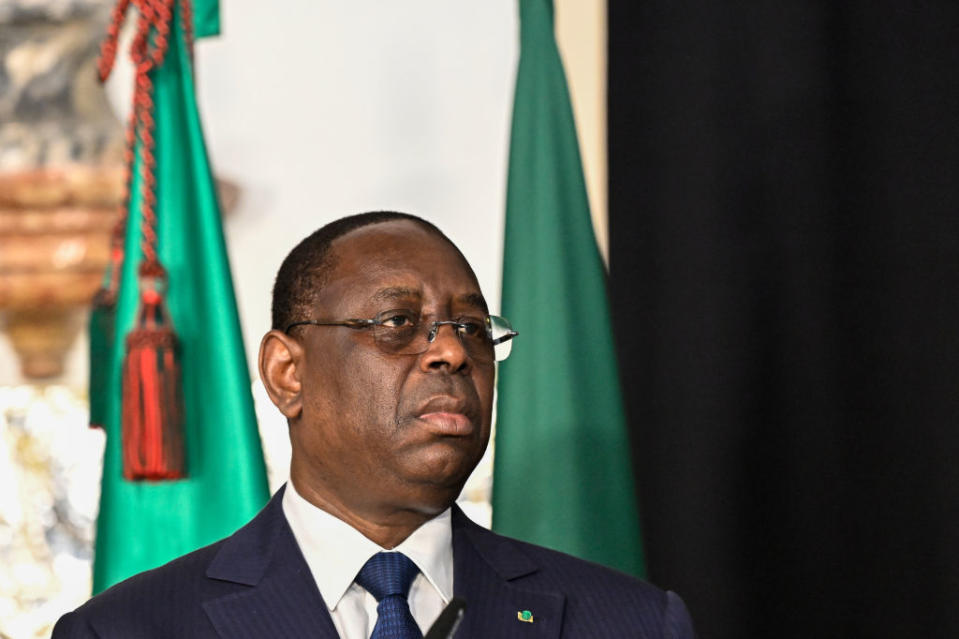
{"x":186,"y":24}
{"x":108,"y":48}
{"x":152,"y":438}
{"x":147,"y":52}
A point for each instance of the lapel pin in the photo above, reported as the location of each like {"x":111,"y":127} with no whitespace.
{"x":525,"y":616}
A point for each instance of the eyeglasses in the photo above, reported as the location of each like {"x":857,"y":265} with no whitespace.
{"x":400,"y":332}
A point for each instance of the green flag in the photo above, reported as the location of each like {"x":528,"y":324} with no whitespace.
{"x":144,"y":524}
{"x":562,"y":473}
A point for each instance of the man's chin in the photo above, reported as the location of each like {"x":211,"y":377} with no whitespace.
{"x":437,"y":490}
{"x":429,"y":501}
{"x":447,"y":462}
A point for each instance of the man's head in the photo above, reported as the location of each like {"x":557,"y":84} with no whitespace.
{"x":377,"y":434}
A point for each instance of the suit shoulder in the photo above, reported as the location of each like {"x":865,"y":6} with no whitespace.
{"x":552,"y":565}
{"x":142,"y":605}
{"x":185,"y":568}
{"x":601,"y":598}
{"x":144,"y":600}
{"x":582,"y":574}
{"x":599,"y":601}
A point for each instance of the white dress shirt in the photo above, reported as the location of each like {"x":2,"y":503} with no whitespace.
{"x":335,"y":552}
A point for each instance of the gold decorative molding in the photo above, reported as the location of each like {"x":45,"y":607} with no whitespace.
{"x":54,"y":245}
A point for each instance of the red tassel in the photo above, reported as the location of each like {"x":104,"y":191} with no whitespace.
{"x":152,"y":404}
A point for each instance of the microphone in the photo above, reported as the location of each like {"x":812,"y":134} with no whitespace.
{"x":448,"y":621}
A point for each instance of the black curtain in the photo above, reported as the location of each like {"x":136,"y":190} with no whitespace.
{"x":784,"y":272}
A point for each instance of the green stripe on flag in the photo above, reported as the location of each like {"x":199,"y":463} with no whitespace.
{"x":144,"y":524}
{"x":562,"y":471}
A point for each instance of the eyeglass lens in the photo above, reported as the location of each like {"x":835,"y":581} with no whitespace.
{"x":400,"y":332}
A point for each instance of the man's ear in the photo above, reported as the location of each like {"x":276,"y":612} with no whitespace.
{"x":281,"y":361}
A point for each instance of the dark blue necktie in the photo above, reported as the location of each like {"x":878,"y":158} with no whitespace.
{"x":388,"y":577}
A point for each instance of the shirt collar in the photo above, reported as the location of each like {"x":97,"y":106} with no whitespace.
{"x":335,"y":551}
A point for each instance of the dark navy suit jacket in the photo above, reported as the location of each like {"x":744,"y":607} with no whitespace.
{"x":256,"y":583}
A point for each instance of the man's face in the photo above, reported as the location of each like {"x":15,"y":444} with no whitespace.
{"x":396,"y":431}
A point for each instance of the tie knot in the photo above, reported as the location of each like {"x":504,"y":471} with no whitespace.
{"x":386,"y":574}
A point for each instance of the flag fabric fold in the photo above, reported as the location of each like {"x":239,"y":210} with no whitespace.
{"x":562,"y":470}
{"x":143,"y":524}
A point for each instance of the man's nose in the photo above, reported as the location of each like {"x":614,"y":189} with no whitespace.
{"x":446,"y":350}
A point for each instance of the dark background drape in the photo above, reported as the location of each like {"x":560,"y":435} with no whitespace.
{"x":784,"y":272}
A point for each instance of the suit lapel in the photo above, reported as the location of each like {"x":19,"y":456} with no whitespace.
{"x":487,"y":575}
{"x":280,"y":598}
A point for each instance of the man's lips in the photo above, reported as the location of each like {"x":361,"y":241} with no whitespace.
{"x":448,"y":423}
{"x":446,"y":415}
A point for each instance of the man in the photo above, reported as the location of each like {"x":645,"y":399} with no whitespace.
{"x":382,"y":358}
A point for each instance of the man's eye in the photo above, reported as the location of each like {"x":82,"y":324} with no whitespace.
{"x":471,"y":326}
{"x":394,"y":319}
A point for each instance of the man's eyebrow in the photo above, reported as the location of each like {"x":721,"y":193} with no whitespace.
{"x":402,"y":293}
{"x":473,"y":299}
{"x":395,"y":293}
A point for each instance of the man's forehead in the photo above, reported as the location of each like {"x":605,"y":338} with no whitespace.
{"x":400,"y":259}
{"x":401,"y":240}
